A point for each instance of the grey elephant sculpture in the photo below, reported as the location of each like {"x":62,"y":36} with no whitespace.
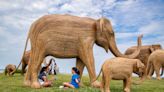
{"x":10,"y":69}
{"x":144,"y":54}
{"x":120,"y":69}
{"x":155,"y":62}
{"x":67,"y":36}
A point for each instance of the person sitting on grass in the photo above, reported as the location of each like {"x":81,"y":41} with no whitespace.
{"x":75,"y":81}
{"x":43,"y":80}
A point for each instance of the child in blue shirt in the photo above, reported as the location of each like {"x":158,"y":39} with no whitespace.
{"x":42,"y":78}
{"x":75,"y":81}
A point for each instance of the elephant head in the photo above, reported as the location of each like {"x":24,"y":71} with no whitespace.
{"x":138,"y":68}
{"x":10,"y":69}
{"x":105,"y":38}
{"x":155,"y":47}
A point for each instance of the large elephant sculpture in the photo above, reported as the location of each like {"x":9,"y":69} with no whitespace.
{"x":144,"y":54}
{"x":67,"y":36}
{"x":10,"y":69}
{"x":25,"y":60}
{"x":156,"y":62}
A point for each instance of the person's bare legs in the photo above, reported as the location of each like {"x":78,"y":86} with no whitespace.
{"x":47,"y":84}
{"x":67,"y":84}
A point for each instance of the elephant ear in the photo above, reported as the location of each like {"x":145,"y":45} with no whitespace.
{"x":100,"y":24}
{"x":140,"y":64}
{"x":151,"y":49}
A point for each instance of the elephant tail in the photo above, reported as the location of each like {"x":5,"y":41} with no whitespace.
{"x":162,"y":70}
{"x":97,"y":76}
{"x":24,"y":51}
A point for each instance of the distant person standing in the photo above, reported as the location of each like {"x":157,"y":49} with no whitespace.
{"x":52,"y":65}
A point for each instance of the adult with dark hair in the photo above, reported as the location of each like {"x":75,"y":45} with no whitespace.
{"x":43,"y":80}
{"x":75,"y":81}
{"x":53,"y":66}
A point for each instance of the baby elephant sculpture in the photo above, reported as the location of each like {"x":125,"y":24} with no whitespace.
{"x":10,"y":69}
{"x":155,"y":62}
{"x":120,"y":69}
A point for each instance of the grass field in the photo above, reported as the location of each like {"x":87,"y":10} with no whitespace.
{"x":15,"y":84}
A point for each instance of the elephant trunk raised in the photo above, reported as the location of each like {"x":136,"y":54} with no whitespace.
{"x":109,"y":33}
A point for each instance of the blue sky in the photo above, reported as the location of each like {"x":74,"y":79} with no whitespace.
{"x":129,"y":18}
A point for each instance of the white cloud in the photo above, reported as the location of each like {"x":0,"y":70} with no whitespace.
{"x":5,"y":5}
{"x":68,"y":7}
{"x":3,"y":49}
{"x":126,"y":35}
{"x":10,"y":39}
{"x":36,"y":6}
{"x":155,"y":27}
{"x":81,"y":8}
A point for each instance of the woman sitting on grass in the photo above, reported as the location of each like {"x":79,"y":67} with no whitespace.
{"x":75,"y":81}
{"x":43,"y":80}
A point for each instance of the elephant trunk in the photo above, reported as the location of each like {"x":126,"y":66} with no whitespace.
{"x":14,"y":70}
{"x":117,"y":53}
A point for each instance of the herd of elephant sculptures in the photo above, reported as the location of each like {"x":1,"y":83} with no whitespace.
{"x":67,"y":36}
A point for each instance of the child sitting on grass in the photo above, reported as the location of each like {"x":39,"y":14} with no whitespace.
{"x":75,"y":81}
{"x":43,"y":80}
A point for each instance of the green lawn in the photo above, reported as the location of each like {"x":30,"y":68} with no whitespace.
{"x":15,"y":84}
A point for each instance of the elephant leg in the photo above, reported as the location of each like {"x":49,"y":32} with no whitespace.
{"x":27,"y":79}
{"x":127,"y":84}
{"x":88,"y":60}
{"x":80,"y":65}
{"x":23,"y":67}
{"x":150,"y":71}
{"x":36,"y":68}
{"x":102,"y":84}
{"x":106,"y":79}
{"x":37,"y":59}
{"x":124,"y":84}
{"x":143,"y":77}
{"x":157,"y":70}
{"x":86,"y":55}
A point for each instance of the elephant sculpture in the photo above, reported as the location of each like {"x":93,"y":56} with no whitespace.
{"x":25,"y":61}
{"x":144,"y":54}
{"x":156,"y":62}
{"x":120,"y":69}
{"x":10,"y":69}
{"x":67,"y":36}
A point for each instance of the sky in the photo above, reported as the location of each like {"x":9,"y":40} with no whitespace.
{"x":129,"y":18}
